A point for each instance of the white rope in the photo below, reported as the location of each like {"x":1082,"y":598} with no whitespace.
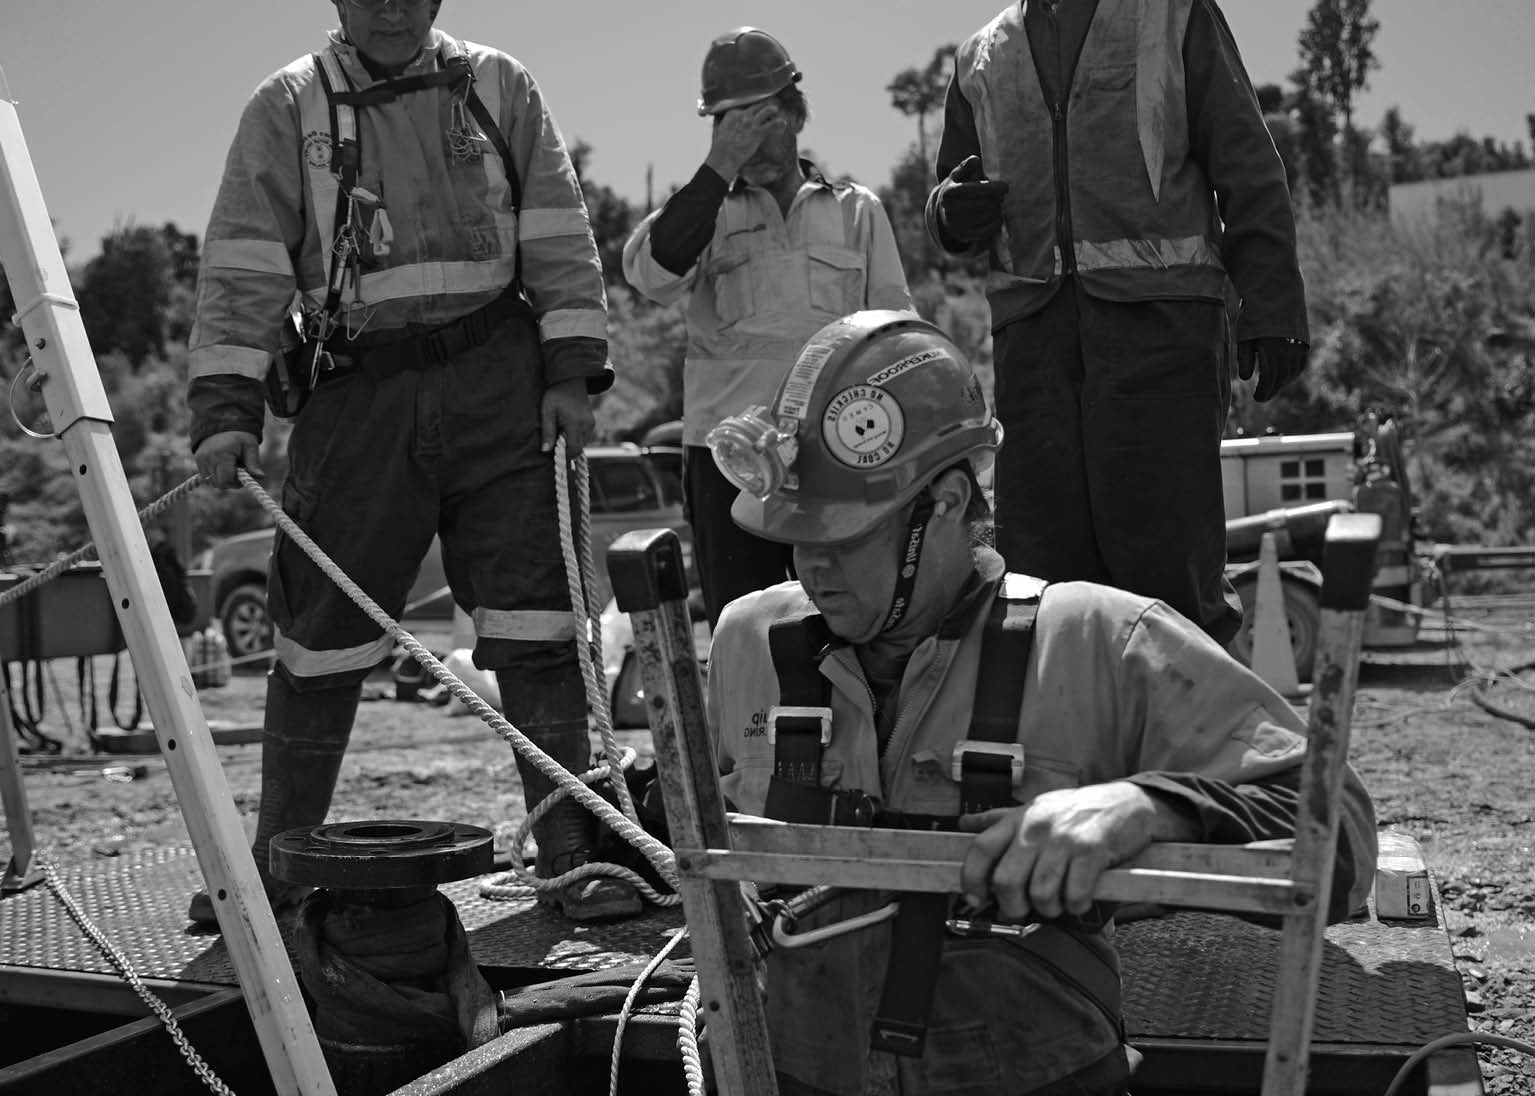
{"x":579,"y":574}
{"x":629,"y":999}
{"x":687,"y":1039}
{"x":88,"y":549}
{"x":654,"y":851}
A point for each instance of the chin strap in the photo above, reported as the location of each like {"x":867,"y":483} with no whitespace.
{"x":910,"y":559}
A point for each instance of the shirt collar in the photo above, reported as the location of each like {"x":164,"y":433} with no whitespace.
{"x":813,"y":177}
{"x":357,"y":69}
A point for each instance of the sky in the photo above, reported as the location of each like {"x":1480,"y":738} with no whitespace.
{"x":128,"y":107}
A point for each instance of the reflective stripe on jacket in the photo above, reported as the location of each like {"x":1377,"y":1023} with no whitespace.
{"x":454,"y":234}
{"x":1116,"y":685}
{"x":765,"y":284}
{"x":1142,"y":220}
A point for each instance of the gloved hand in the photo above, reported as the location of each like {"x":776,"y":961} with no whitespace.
{"x":1278,"y":362}
{"x":218,"y":455}
{"x":969,"y":204}
{"x":566,"y":410}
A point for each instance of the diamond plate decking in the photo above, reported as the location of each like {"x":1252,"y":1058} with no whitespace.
{"x":1188,"y":975}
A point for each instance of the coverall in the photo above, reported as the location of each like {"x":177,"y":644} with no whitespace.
{"x":1117,"y":687}
{"x":393,"y":448}
{"x":758,"y":285}
{"x":1145,"y":194}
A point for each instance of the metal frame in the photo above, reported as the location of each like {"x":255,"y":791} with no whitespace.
{"x":714,"y":850}
{"x":49,"y":317}
{"x":20,"y":873}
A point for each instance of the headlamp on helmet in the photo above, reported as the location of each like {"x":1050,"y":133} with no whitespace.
{"x":754,"y":451}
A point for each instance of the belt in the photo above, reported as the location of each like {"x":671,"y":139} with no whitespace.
{"x":437,"y":346}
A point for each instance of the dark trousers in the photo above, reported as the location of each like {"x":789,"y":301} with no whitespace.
{"x":730,"y":561}
{"x":377,"y":465}
{"x":1110,"y":467}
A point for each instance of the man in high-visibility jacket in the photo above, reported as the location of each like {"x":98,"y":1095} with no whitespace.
{"x":413,"y":194}
{"x":1067,"y":724}
{"x":1111,"y":157}
{"x":766,"y":251}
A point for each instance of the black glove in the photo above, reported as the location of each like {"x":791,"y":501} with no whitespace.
{"x":1278,"y":361}
{"x":969,"y":204}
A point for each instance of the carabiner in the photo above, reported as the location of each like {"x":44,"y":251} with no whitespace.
{"x":784,"y":921}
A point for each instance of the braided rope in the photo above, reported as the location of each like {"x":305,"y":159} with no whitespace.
{"x":88,"y":549}
{"x":654,"y":851}
{"x":687,"y":1039}
{"x":628,"y":1006}
{"x":579,"y":575}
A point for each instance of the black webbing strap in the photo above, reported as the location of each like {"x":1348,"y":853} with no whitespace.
{"x":916,"y":953}
{"x":455,"y":71}
{"x":796,"y":725}
{"x":434,"y":347}
{"x":986,"y":778}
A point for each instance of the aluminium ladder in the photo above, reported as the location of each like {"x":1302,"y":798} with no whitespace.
{"x":716,"y":852}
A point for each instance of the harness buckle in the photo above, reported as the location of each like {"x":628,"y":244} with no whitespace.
{"x":989,"y":756}
{"x":817,"y":715}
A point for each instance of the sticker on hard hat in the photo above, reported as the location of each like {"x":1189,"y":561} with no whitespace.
{"x":906,"y":365}
{"x":800,"y":383}
{"x":863,"y":426}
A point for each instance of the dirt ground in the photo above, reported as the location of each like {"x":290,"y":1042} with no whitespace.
{"x":1441,"y":767}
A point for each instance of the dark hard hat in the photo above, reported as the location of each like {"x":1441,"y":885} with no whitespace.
{"x":744,"y":66}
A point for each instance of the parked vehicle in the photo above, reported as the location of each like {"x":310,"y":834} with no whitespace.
{"x":632,"y":487}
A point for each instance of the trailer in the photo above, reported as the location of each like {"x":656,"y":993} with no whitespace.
{"x":1290,"y":485}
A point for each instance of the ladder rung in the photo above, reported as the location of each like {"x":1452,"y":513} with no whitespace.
{"x":751,"y":834}
{"x":1236,"y":893}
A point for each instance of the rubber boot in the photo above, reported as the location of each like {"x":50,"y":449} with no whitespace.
{"x":303,"y":740}
{"x":567,"y":834}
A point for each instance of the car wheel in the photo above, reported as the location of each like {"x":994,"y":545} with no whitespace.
{"x":629,"y":695}
{"x":247,"y":628}
{"x":1302,"y":614}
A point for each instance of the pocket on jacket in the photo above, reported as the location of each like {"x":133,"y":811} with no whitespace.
{"x":730,"y":277}
{"x":837,"y":279}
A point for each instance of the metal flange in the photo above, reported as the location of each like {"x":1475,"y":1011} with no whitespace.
{"x":381,"y":854}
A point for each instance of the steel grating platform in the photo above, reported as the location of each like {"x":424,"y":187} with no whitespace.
{"x":1187,"y":975}
{"x":140,"y":899}
{"x":1211,"y":976}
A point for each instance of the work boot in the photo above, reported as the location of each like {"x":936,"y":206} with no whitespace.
{"x":303,"y":739}
{"x":550,"y":709}
{"x":566,"y":836}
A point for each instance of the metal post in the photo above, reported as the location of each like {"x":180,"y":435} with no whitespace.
{"x":650,"y":585}
{"x":1348,"y":570}
{"x":77,"y":405}
{"x":20,"y":873}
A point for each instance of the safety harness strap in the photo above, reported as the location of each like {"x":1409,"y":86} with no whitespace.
{"x":989,"y":768}
{"x":989,"y":764}
{"x":799,"y":726}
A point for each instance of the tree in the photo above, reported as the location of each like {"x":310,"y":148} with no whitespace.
{"x":1406,"y":162}
{"x":125,"y":292}
{"x":920,"y":92}
{"x":612,"y":218}
{"x":1337,"y":57}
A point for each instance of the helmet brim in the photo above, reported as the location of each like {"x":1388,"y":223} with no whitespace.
{"x":787,"y":521}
